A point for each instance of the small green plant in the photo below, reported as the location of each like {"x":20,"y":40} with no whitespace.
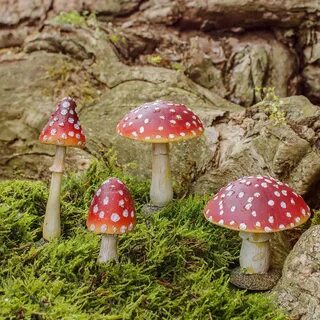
{"x":177,"y":66}
{"x":155,"y":59}
{"x":74,"y":18}
{"x":274,"y":103}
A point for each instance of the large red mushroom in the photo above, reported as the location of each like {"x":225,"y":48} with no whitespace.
{"x":111,"y":213}
{"x":62,"y":130}
{"x":160,"y":123}
{"x":257,"y":206}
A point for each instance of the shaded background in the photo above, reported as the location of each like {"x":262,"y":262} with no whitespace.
{"x":210,"y":55}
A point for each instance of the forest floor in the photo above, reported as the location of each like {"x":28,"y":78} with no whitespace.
{"x":174,"y":265}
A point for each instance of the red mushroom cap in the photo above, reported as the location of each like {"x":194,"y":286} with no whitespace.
{"x":112,"y":209}
{"x":63,"y":127}
{"x":257,"y":204}
{"x":160,"y":122}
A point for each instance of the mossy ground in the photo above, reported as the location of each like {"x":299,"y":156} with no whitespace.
{"x":173,"y":266}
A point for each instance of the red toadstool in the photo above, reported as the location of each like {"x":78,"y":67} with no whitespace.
{"x":160,"y":122}
{"x":63,"y":130}
{"x":257,"y":206}
{"x":111,"y":213}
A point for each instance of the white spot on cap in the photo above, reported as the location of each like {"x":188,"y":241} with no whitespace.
{"x":172,"y":110}
{"x":115,"y":217}
{"x":171,"y":136}
{"x":241,"y":194}
{"x":178,"y":117}
{"x":283,"y":204}
{"x":277,"y":193}
{"x":229,"y":187}
{"x":125,"y":213}
{"x":221,"y":222}
{"x":221,"y":212}
{"x":281,"y":226}
{"x":267,"y":229}
{"x":101,"y":214}
{"x":173,"y":121}
{"x":71,"y":133}
{"x":71,"y":120}
{"x":64,"y":112}
{"x":188,"y":125}
{"x":53,"y":132}
{"x":162,"y":117}
{"x":271,"y":219}
{"x":271,"y":203}
{"x":264,"y":185}
{"x":284,"y":192}
{"x":106,"y":200}
{"x":98,"y":192}
{"x":103,"y":228}
{"x":207,"y":211}
{"x":242,"y":226}
{"x":76,"y":126}
{"x":134,"y":133}
{"x":121,"y":203}
{"x":248,"y":206}
{"x":297,"y":219}
{"x":288,"y":214}
{"x":254,"y":213}
{"x":258,"y":224}
{"x":292,"y":201}
{"x":123,"y":229}
{"x":139,"y":116}
{"x":92,"y":227}
{"x":232,"y":222}
{"x":65,"y":104}
{"x":71,"y":111}
{"x":64,"y":136}
{"x":303,"y":211}
{"x":182,"y":134}
{"x":250,"y":199}
{"x":141,"y":130}
{"x":160,"y":128}
{"x":130,"y":123}
{"x":78,"y":136}
{"x":230,"y":193}
{"x":233,"y":208}
{"x":95,"y":208}
{"x":146,"y":121}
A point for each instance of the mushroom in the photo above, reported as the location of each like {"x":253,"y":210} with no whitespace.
{"x":160,"y":122}
{"x":256,"y":206}
{"x":63,"y":130}
{"x":111,"y":213}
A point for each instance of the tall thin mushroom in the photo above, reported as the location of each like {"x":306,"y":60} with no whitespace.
{"x":160,"y":123}
{"x":111,"y":213}
{"x":62,"y":130}
{"x":256,"y":206}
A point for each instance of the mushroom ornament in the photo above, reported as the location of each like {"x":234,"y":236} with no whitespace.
{"x":256,"y":206}
{"x":160,"y":123}
{"x":111,"y":213}
{"x":62,"y":130}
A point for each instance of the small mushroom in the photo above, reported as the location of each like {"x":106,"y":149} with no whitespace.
{"x":160,"y":123}
{"x":111,"y":213}
{"x":256,"y":206}
{"x":63,"y":130}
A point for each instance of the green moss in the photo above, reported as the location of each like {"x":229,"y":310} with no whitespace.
{"x":173,"y":266}
{"x":73,"y":17}
{"x":155,"y":59}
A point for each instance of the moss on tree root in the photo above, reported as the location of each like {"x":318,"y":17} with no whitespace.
{"x":173,"y":266}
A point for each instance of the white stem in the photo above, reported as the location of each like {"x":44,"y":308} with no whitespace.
{"x":51,"y":226}
{"x":161,"y":191}
{"x":255,"y":252}
{"x":109,"y":248}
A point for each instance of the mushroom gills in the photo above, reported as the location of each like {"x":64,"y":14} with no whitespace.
{"x":255,"y":252}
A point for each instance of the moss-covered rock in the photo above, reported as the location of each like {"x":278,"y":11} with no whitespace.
{"x":173,"y":266}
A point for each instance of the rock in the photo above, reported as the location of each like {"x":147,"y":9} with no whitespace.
{"x":83,"y":61}
{"x":298,"y":290}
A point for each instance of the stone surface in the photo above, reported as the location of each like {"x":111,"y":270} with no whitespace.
{"x":298,"y":291}
{"x":113,"y":67}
